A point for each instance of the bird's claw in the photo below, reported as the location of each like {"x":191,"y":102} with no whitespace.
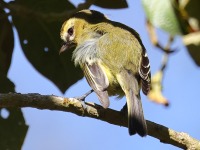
{"x":84,"y":105}
{"x":82,"y":100}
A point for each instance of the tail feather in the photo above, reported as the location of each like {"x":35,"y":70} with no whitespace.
{"x":136,"y":121}
{"x":131,"y":88}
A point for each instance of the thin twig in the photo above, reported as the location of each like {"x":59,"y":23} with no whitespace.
{"x":166,"y":55}
{"x":154,"y":39}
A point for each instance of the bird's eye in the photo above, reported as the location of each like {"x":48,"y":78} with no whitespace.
{"x":70,"y":31}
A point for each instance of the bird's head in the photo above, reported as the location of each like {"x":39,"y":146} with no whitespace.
{"x":73,"y":28}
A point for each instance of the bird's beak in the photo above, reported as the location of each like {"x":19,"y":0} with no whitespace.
{"x":64,"y":47}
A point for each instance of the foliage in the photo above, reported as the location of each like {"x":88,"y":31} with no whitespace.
{"x":38,"y":23}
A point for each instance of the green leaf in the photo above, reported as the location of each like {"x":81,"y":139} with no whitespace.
{"x":40,"y":41}
{"x":6,"y":42}
{"x":111,"y":4}
{"x":164,"y":14}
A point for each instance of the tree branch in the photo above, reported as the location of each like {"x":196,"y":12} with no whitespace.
{"x":51,"y":102}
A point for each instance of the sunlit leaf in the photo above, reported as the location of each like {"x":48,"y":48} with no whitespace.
{"x":192,"y":42}
{"x":155,"y":94}
{"x":164,"y":14}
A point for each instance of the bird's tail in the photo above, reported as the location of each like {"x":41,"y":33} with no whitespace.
{"x":131,"y":88}
{"x":136,"y":121}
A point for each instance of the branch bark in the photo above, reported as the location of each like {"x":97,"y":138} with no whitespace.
{"x":52,"y":102}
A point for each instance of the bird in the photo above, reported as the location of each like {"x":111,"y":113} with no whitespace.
{"x":113,"y":59}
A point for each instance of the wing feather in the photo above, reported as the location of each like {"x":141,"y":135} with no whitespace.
{"x":145,"y":73}
{"x":98,"y":81}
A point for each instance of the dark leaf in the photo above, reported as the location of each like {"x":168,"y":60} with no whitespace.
{"x":111,"y":4}
{"x":194,"y":51}
{"x":6,"y":42}
{"x":40,"y":41}
{"x":192,"y":8}
{"x":12,"y":124}
{"x":6,"y":84}
{"x":12,"y":129}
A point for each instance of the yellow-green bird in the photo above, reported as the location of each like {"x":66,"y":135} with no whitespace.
{"x":113,"y":59}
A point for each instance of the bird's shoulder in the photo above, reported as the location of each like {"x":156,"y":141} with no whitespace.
{"x":115,"y":31}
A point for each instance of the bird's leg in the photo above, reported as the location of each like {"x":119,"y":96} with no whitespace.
{"x":82,"y":98}
{"x":154,"y":39}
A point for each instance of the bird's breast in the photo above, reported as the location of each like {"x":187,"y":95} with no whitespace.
{"x":85,"y":52}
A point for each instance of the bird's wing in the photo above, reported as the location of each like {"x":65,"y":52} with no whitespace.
{"x":98,"y":80}
{"x":126,"y":51}
{"x":145,"y":73}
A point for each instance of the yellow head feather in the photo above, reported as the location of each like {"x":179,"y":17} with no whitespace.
{"x":80,"y":21}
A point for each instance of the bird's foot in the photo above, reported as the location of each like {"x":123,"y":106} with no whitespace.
{"x":82,"y":98}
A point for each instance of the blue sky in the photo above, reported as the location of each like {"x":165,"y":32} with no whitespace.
{"x":60,"y":130}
